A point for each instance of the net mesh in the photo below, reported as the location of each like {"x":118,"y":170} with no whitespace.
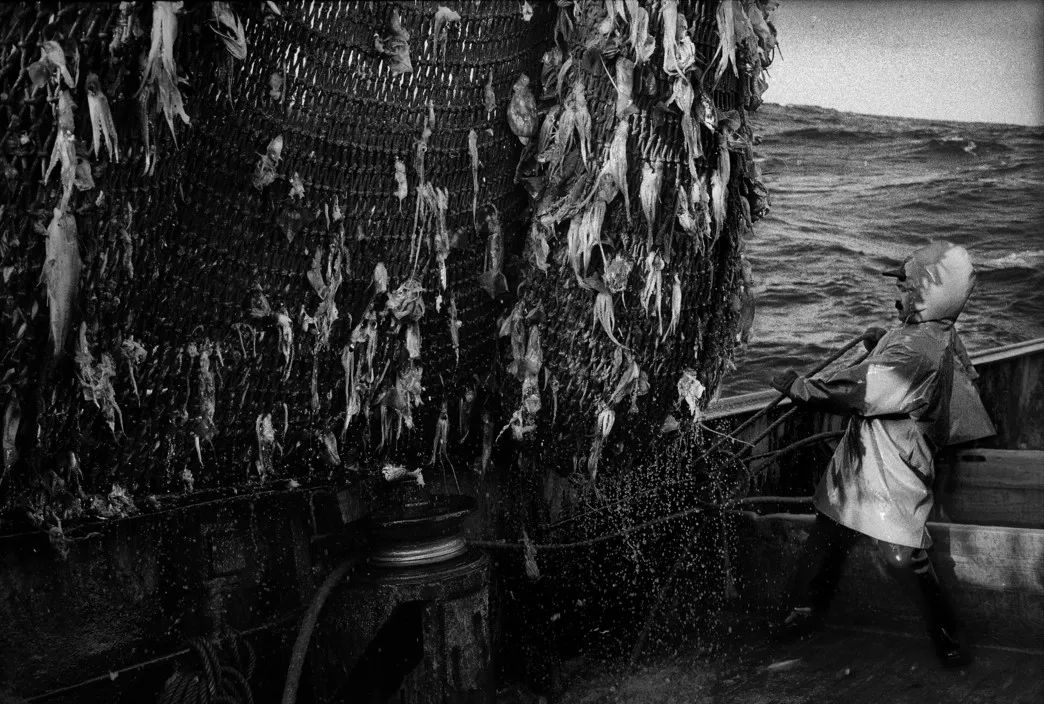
{"x":638,"y":319}
{"x":195,"y":270}
{"x":293,"y":268}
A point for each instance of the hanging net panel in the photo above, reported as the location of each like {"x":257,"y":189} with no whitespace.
{"x":635,"y":295}
{"x":250,"y":243}
{"x":256,"y":230}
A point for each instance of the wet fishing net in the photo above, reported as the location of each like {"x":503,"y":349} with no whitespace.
{"x":635,"y":295}
{"x":635,"y":298}
{"x":299,"y":242}
{"x":245,"y":246}
{"x":255,"y":228}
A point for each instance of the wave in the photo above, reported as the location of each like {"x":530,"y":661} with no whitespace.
{"x":853,"y":195}
{"x":771,"y":164}
{"x":830,"y":134}
{"x":960,"y":146}
{"x":901,"y":143}
{"x":902,"y":181}
{"x":1027,"y":259}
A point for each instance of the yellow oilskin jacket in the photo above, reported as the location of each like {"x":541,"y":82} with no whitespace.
{"x":910,"y":397}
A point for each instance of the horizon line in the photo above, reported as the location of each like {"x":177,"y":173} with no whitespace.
{"x":904,"y":117}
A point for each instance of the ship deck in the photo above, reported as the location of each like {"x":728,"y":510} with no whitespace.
{"x":843,"y":665}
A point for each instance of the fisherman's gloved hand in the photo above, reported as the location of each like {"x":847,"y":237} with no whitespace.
{"x":782,"y":382}
{"x":871,"y":337}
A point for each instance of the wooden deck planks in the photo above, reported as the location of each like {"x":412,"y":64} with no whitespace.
{"x":995,"y":577}
{"x":992,"y":487}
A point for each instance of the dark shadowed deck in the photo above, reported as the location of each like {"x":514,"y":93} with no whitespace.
{"x":846,"y":666}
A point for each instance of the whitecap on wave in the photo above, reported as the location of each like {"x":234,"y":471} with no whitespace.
{"x":1028,"y":259}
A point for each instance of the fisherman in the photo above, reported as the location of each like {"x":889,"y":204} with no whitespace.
{"x":912,"y":396}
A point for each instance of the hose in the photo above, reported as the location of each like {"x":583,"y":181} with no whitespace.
{"x":797,"y":445}
{"x":498,"y":545}
{"x":779,"y":399}
{"x":782,"y":419}
{"x":304,"y":633}
{"x":798,"y":500}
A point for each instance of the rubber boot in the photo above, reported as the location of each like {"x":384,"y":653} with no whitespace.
{"x":819,"y":569}
{"x":913,"y":571}
{"x":942,"y":626}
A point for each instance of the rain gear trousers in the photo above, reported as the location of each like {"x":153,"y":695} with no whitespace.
{"x":818,"y":573}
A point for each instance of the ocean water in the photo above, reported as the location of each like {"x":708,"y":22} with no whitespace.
{"x":852,"y":195}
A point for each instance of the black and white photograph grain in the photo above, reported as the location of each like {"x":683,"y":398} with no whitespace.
{"x":522,"y":352}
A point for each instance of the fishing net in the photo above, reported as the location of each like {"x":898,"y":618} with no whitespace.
{"x":635,"y":298}
{"x":636,"y":295}
{"x":280,"y":241}
{"x":243,"y":244}
{"x":258,"y":238}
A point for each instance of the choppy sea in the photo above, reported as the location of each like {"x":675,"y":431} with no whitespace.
{"x":853,"y":194}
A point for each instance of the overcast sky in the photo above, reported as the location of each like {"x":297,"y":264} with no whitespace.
{"x":979,"y":61}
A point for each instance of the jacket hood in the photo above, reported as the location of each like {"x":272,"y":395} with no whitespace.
{"x":935,"y":283}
